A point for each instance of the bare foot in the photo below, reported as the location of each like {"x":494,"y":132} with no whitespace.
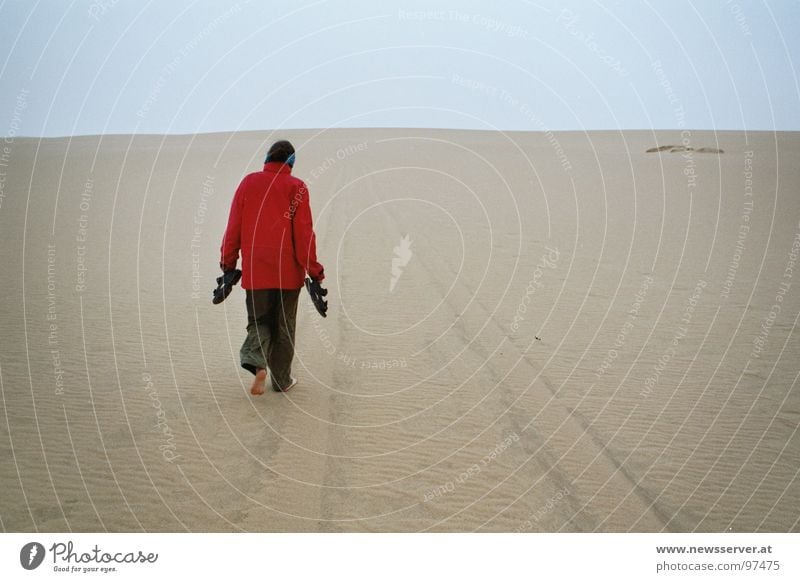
{"x":257,"y":389}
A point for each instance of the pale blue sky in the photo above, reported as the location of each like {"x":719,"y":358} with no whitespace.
{"x":87,"y":67}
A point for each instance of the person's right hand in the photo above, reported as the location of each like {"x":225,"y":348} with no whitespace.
{"x":317,"y":292}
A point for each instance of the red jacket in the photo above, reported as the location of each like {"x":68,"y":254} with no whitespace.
{"x":270,"y":222}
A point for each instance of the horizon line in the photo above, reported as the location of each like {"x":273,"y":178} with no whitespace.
{"x":10,"y":138}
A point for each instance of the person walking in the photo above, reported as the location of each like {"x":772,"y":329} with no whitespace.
{"x":270,"y":223}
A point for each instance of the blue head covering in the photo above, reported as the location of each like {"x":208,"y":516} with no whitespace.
{"x":289,"y":161}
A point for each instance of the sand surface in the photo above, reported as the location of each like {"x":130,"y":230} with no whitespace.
{"x":575,"y":335}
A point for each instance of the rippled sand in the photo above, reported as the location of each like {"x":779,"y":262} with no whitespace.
{"x":575,"y":335}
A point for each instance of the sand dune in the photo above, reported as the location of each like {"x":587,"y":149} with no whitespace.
{"x":661,"y":395}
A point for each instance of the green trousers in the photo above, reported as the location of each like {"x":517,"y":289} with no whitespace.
{"x":271,"y":317}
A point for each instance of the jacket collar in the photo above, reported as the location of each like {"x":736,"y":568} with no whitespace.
{"x":277,"y":168}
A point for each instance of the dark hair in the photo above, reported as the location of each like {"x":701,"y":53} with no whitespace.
{"x":280,"y":151}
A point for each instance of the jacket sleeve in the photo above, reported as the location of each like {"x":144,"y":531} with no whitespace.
{"x":231,"y":241}
{"x":305,"y":244}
